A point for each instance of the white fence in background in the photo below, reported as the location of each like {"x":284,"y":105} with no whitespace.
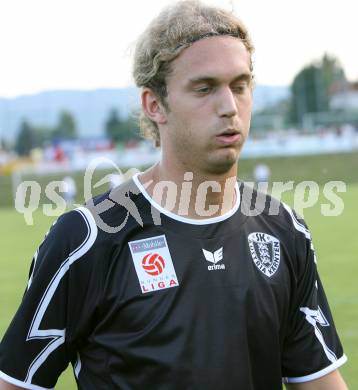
{"x":295,"y":145}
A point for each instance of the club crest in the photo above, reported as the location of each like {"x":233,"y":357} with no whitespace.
{"x":265,"y":252}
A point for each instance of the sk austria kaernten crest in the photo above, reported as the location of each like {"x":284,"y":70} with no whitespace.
{"x":265,"y":252}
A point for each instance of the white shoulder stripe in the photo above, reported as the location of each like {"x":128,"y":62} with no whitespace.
{"x":299,"y":226}
{"x":35,"y":259}
{"x":78,"y":365}
{"x":316,"y":316}
{"x":57,"y":336}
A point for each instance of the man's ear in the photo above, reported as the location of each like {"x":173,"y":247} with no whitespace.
{"x":152,"y":107}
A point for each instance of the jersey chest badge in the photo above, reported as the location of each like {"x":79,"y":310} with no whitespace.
{"x":265,"y":252}
{"x":153,"y":264}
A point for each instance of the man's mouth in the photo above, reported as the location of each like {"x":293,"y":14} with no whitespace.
{"x":229,"y":137}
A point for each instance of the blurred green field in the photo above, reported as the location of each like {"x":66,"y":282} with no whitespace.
{"x":335,"y":241}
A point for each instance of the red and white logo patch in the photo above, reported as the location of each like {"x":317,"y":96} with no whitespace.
{"x":153,"y":264}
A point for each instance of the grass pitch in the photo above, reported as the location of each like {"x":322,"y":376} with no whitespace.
{"x":335,"y":242}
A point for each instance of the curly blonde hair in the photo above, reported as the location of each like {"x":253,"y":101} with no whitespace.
{"x":173,"y":30}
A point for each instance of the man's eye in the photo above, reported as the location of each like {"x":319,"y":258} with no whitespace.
{"x":240,"y":88}
{"x":203,"y":90}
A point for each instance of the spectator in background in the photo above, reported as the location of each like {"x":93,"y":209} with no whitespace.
{"x":69,"y":190}
{"x":262,"y":173}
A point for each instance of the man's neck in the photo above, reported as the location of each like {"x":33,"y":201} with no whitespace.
{"x":191,"y":194}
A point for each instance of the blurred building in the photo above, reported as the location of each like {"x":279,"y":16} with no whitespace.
{"x":344,"y":96}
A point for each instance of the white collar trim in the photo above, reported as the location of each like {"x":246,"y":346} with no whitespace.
{"x":191,"y":221}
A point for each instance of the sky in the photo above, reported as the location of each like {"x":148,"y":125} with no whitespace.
{"x":77,"y":44}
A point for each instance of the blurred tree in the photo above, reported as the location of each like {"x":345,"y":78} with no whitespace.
{"x":310,"y":87}
{"x":113,"y":125}
{"x":130,"y":130}
{"x":4,"y":144}
{"x":119,"y":129}
{"x":26,"y":139}
{"x":66,"y":127}
{"x":271,"y":117}
{"x":43,"y":135}
{"x":30,"y":137}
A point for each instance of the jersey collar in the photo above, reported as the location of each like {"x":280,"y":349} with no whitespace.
{"x":191,"y":221}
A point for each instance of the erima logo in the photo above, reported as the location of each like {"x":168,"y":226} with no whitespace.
{"x":214,"y":258}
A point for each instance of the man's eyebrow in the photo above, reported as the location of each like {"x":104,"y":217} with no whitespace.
{"x":214,"y":80}
{"x":201,"y":79}
{"x":244,"y":77}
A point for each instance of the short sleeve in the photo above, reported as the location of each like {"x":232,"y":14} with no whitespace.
{"x":36,"y":347}
{"x":312,"y":347}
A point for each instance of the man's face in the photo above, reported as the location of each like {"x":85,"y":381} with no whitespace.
{"x":210,"y":101}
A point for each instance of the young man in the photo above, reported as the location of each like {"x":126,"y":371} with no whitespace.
{"x":203,"y":288}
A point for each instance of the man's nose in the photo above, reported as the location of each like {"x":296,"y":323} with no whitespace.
{"x":227,"y":103}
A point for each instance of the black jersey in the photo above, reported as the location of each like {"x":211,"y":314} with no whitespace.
{"x":138,"y":298}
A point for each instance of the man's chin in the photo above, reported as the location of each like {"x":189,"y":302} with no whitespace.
{"x":223,"y":165}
